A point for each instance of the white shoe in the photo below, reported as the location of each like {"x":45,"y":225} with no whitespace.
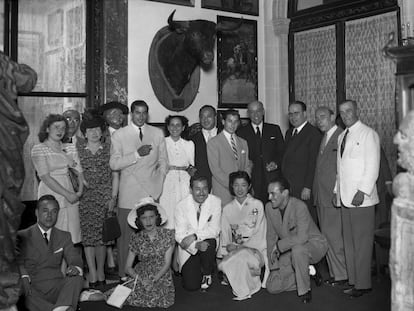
{"x":206,"y":282}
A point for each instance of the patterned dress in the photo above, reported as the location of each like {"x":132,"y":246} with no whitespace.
{"x":94,"y":201}
{"x":54,"y":163}
{"x":151,"y":259}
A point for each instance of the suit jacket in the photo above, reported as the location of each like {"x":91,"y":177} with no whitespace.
{"x":358,"y":168}
{"x":207,"y":227}
{"x":296,"y":227}
{"x":222,"y":162}
{"x":143,"y":176}
{"x":201,"y":162}
{"x":41,"y":261}
{"x":299,"y":159}
{"x":268,"y":149}
{"x":325,"y":172}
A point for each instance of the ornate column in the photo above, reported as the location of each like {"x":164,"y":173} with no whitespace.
{"x":276,"y":29}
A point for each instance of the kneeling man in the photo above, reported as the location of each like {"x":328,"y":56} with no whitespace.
{"x":42,"y":248}
{"x":197,"y":226}
{"x":293,"y":242}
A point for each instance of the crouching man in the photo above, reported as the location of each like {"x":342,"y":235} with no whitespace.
{"x":42,"y":248}
{"x":197,"y":227}
{"x":293,"y":242}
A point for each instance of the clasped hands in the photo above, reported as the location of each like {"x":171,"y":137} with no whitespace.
{"x":189,"y":239}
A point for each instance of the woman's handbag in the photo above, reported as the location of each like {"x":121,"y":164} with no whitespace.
{"x":120,"y":294}
{"x":110,"y":229}
{"x":73,"y":176}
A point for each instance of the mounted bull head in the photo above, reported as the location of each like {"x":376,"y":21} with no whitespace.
{"x":191,"y":43}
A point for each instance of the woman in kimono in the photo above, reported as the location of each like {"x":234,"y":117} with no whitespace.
{"x":243,"y":239}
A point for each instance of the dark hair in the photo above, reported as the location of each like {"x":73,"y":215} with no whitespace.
{"x":92,"y":123}
{"x":50,"y":119}
{"x":238,"y":175}
{"x":198,"y":177}
{"x":142,"y":210}
{"x":46,"y":197}
{"x":282,"y":182}
{"x":230,"y":112}
{"x":138,"y":103}
{"x":207,"y":107}
{"x":298,"y":102}
{"x":184,"y":121}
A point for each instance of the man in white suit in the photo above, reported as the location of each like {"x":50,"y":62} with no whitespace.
{"x":358,"y":162}
{"x":138,"y":151}
{"x":197,"y":226}
{"x":227,"y":153}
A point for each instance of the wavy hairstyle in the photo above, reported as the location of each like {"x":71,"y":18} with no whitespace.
{"x":50,"y":119}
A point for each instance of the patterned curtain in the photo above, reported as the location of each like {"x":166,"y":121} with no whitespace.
{"x":315,"y":69}
{"x":370,"y":76}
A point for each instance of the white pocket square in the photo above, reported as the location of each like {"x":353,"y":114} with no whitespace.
{"x":272,"y":137}
{"x":243,"y":151}
{"x":58,"y":251}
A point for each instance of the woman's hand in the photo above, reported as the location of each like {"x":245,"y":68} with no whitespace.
{"x":191,"y":170}
{"x":148,"y":284}
{"x":111,"y":205}
{"x":72,"y":197}
{"x":231,"y":247}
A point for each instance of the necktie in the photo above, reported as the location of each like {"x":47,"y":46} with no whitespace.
{"x":140,"y":134}
{"x":210,"y":136}
{"x":233,"y":147}
{"x":198,"y":212}
{"x":258,"y":132}
{"x":344,"y":142}
{"x":45,"y":238}
{"x":323,"y":143}
{"x":295,"y":132}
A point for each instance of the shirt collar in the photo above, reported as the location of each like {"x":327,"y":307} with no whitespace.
{"x":212,"y":132}
{"x":300,"y":127}
{"x":258,"y":125}
{"x":227,"y":135}
{"x":137,"y":127}
{"x":353,"y":126}
{"x":43,"y":231}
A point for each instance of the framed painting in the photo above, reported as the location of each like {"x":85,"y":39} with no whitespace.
{"x":180,"y":2}
{"x":237,"y":64}
{"x":250,"y":7}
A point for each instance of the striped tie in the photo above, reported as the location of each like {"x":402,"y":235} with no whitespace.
{"x":233,"y":147}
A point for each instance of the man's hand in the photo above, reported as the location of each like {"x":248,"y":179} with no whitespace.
{"x":275,"y":254}
{"x":305,"y":195}
{"x":202,"y":246}
{"x":335,"y":202}
{"x":27,"y":287}
{"x":72,"y":271}
{"x":255,"y":271}
{"x":186,"y":242}
{"x":144,"y":150}
{"x":271,"y":166}
{"x":358,"y":198}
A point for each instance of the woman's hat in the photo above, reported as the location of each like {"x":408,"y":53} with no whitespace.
{"x":114,"y":105}
{"x":132,"y":216}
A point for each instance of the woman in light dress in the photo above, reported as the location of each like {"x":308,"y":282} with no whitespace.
{"x":181,"y":166}
{"x":52,"y":160}
{"x":243,"y":239}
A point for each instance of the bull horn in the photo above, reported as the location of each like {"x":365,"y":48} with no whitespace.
{"x":221,"y":28}
{"x":174,"y":25}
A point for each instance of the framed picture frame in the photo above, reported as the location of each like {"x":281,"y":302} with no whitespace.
{"x":179,"y":2}
{"x":250,"y":7}
{"x":237,"y":64}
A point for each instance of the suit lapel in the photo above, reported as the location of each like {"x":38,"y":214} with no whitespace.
{"x":225,"y":142}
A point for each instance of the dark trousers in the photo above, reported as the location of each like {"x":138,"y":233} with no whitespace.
{"x":198,"y":265}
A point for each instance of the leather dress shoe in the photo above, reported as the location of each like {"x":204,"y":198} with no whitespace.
{"x":307,"y":297}
{"x":334,"y":283}
{"x":317,"y":278}
{"x":355,"y":293}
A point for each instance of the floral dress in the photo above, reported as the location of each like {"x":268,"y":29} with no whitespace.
{"x":94,"y":201}
{"x":151,"y":256}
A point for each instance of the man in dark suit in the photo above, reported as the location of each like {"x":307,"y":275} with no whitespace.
{"x":42,"y":248}
{"x":266,"y":146}
{"x":208,"y":117}
{"x":302,"y":143}
{"x":323,"y":185}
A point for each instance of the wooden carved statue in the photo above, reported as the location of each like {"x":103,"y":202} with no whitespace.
{"x":14,"y":130}
{"x":402,"y":222}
